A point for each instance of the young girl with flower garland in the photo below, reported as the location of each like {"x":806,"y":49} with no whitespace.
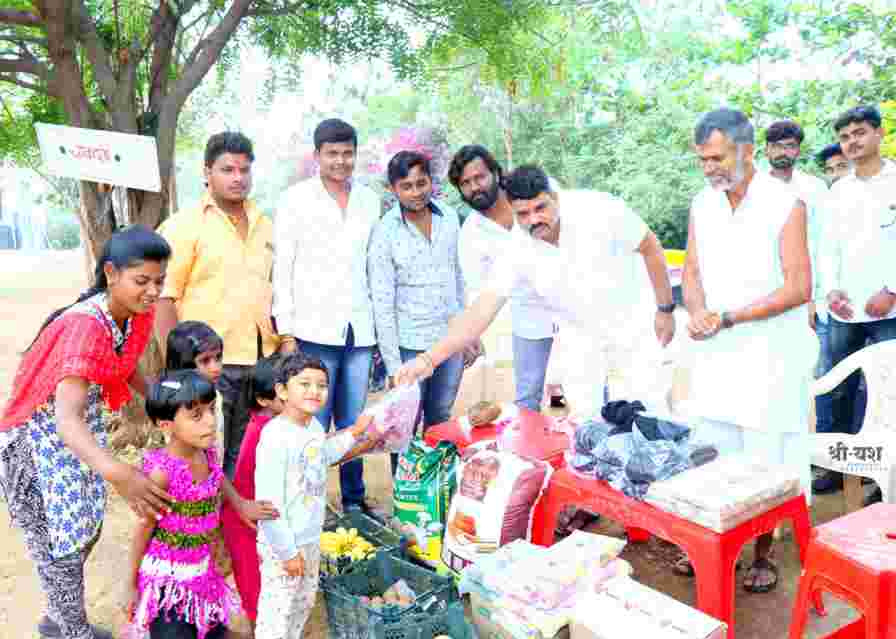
{"x":175,"y":590}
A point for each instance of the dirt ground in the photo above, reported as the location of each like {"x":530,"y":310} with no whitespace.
{"x":32,"y":285}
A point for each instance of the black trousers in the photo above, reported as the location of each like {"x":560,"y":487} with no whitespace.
{"x":173,"y":627}
{"x":236,"y":399}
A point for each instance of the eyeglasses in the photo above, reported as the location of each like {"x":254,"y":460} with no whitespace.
{"x":784,"y":146}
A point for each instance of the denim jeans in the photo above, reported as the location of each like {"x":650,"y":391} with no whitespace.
{"x":824,"y":404}
{"x":530,"y":365}
{"x":847,"y":338}
{"x":349,"y":370}
{"x":437,"y":392}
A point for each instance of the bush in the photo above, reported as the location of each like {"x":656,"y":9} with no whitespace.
{"x":63,"y":233}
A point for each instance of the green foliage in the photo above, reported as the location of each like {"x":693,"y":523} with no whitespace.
{"x":63,"y":232}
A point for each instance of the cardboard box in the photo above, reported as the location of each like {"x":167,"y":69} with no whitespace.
{"x":623,"y":608}
{"x":493,"y":623}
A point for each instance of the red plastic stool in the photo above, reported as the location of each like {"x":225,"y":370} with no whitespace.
{"x":853,"y":558}
{"x":712,"y":554}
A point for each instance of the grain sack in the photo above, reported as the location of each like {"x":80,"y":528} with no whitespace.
{"x":493,"y":505}
{"x":423,"y":485}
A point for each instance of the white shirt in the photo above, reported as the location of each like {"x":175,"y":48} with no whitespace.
{"x":320,"y":264}
{"x":859,"y":245}
{"x":592,"y":284}
{"x":291,"y":472}
{"x":755,"y":374}
{"x":814,"y":193}
{"x":483,"y":242}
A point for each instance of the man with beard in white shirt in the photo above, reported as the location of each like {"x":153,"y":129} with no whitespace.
{"x":783,"y":141}
{"x":484,"y":238}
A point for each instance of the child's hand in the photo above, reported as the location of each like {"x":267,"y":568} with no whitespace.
{"x":295,"y":567}
{"x":252,"y":511}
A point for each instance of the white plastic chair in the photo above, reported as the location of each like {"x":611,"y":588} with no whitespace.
{"x":838,"y":451}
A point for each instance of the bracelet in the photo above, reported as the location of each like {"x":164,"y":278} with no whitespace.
{"x":666,"y":308}
{"x":426,"y":357}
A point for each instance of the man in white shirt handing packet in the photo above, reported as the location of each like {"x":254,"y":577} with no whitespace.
{"x":574,"y":262}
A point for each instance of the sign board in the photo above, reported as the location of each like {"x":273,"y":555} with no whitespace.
{"x":107,"y":157}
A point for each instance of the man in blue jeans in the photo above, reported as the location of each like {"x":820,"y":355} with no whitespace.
{"x":321,"y":294}
{"x":856,"y":261}
{"x":415,"y":281}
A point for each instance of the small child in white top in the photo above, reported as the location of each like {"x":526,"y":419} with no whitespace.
{"x":292,"y":459}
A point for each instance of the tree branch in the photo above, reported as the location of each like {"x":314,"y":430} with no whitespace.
{"x":23,"y":39}
{"x":21,"y":18}
{"x":207,"y":51}
{"x":262,"y":10}
{"x":98,"y":56}
{"x":29,"y":65}
{"x":12,"y":79}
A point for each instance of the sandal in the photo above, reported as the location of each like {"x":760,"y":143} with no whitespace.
{"x":762,"y":564}
{"x":684,"y":568}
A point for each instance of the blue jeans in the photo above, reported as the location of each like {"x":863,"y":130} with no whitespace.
{"x":437,"y":392}
{"x":530,"y":365}
{"x":824,"y":404}
{"x":349,"y":370}
{"x":847,"y":338}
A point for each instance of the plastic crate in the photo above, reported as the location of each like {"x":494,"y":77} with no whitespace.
{"x":382,"y":537}
{"x":350,"y":618}
{"x":449,"y":623}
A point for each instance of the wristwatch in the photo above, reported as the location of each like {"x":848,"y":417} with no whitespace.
{"x":727,"y":320}
{"x":666,"y":308}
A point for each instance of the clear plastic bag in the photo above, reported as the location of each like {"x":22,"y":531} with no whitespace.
{"x":395,"y":418}
{"x":655,"y":459}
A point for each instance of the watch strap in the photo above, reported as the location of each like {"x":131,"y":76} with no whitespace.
{"x":666,"y":308}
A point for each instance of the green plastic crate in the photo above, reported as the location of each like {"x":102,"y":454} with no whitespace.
{"x":350,"y":618}
{"x":382,"y":537}
{"x":450,"y":623}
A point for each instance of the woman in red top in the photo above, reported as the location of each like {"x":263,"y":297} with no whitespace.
{"x":53,"y":457}
{"x":241,"y":539}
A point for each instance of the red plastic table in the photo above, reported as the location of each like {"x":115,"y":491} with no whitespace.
{"x":713,"y":555}
{"x":530,"y":435}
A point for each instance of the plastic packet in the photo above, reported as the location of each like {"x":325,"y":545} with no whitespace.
{"x":395,"y":418}
{"x":403,"y":590}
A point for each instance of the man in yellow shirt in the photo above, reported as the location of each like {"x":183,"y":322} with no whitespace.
{"x":220,"y":273}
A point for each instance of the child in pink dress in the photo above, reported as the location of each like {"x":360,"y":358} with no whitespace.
{"x":176,"y":591}
{"x":241,"y":540}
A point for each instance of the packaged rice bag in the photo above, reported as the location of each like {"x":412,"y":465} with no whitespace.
{"x":422,"y":489}
{"x":497,"y":491}
{"x":395,"y":417}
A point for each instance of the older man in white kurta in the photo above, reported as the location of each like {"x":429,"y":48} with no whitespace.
{"x":746,"y":277}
